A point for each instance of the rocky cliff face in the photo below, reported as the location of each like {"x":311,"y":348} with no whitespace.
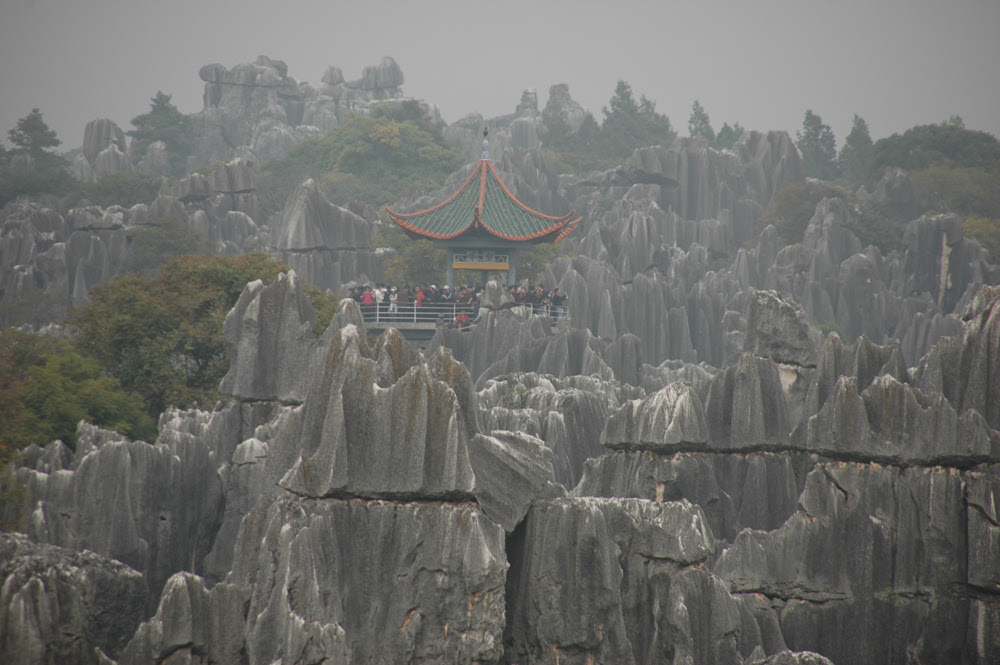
{"x":373,"y":506}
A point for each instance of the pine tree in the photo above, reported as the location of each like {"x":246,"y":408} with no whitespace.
{"x":856,"y":155}
{"x":728,"y":136}
{"x":818,"y":148}
{"x":166,"y":123}
{"x":699,"y":125}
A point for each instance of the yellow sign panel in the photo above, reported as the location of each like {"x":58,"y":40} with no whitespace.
{"x":480,"y":259}
{"x":479,"y":266}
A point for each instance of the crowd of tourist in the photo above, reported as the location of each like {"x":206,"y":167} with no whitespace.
{"x":458,"y":308}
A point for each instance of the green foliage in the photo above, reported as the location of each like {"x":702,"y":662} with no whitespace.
{"x":416,"y":262}
{"x":818,"y":148}
{"x":516,"y":397}
{"x":374,"y":159}
{"x":166,"y":123}
{"x":728,"y":136}
{"x":154,"y":246}
{"x":945,"y":144}
{"x":699,"y":125}
{"x":856,"y":156}
{"x":987,"y":231}
{"x":13,"y":495}
{"x":124,"y":189}
{"x":32,"y":136}
{"x":627,"y":125}
{"x":793,"y":206}
{"x":161,"y":337}
{"x":47,"y":386}
{"x":873,"y":222}
{"x":531,"y":261}
{"x":970,"y":192}
{"x":964,"y":191}
{"x":49,"y":173}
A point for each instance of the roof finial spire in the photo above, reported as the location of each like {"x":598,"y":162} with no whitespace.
{"x":486,"y":144}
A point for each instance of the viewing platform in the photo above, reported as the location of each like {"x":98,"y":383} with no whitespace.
{"x":420,"y":323}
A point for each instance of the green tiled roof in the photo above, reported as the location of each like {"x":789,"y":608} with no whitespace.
{"x":483,"y":204}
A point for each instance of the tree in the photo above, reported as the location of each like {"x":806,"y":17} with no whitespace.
{"x":166,"y":123}
{"x":47,"y":387}
{"x":32,"y":136}
{"x":699,"y":125}
{"x":629,"y":125}
{"x":818,"y":148}
{"x":728,"y":136}
{"x":48,"y":172}
{"x":154,"y":246}
{"x":947,"y":144}
{"x":856,"y":155}
{"x":161,"y":337}
{"x":371,"y":158}
{"x":124,"y":189}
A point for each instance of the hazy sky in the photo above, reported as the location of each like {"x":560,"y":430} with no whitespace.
{"x":760,"y":63}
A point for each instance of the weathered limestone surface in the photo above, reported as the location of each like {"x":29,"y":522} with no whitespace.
{"x":511,"y":471}
{"x":567,"y":414}
{"x":190,"y":623}
{"x":61,"y":606}
{"x":272,"y":347}
{"x":632,"y":572}
{"x":155,"y":508}
{"x":873,"y":551}
{"x":670,"y":418}
{"x":371,"y":581}
{"x":755,"y":490}
{"x":353,"y":437}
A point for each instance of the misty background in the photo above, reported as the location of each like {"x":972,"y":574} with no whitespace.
{"x":761,"y":64}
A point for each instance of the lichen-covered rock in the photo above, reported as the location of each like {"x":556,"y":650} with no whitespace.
{"x":982,"y":496}
{"x":567,"y":414}
{"x":669,"y":419}
{"x":155,"y":508}
{"x":61,"y":606}
{"x":891,"y":422}
{"x":371,"y":581}
{"x":778,"y":329}
{"x":308,"y":222}
{"x":966,"y":368}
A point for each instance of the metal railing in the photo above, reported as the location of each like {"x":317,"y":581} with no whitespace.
{"x":442,"y":313}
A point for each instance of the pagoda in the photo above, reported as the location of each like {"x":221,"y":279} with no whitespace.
{"x":482,"y":225}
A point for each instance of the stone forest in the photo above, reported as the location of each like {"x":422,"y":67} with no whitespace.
{"x":745,"y":441}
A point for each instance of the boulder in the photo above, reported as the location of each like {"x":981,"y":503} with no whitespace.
{"x":62,"y":606}
{"x":511,"y":471}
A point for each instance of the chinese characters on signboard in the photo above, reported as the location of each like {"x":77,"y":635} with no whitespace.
{"x":481,"y":259}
